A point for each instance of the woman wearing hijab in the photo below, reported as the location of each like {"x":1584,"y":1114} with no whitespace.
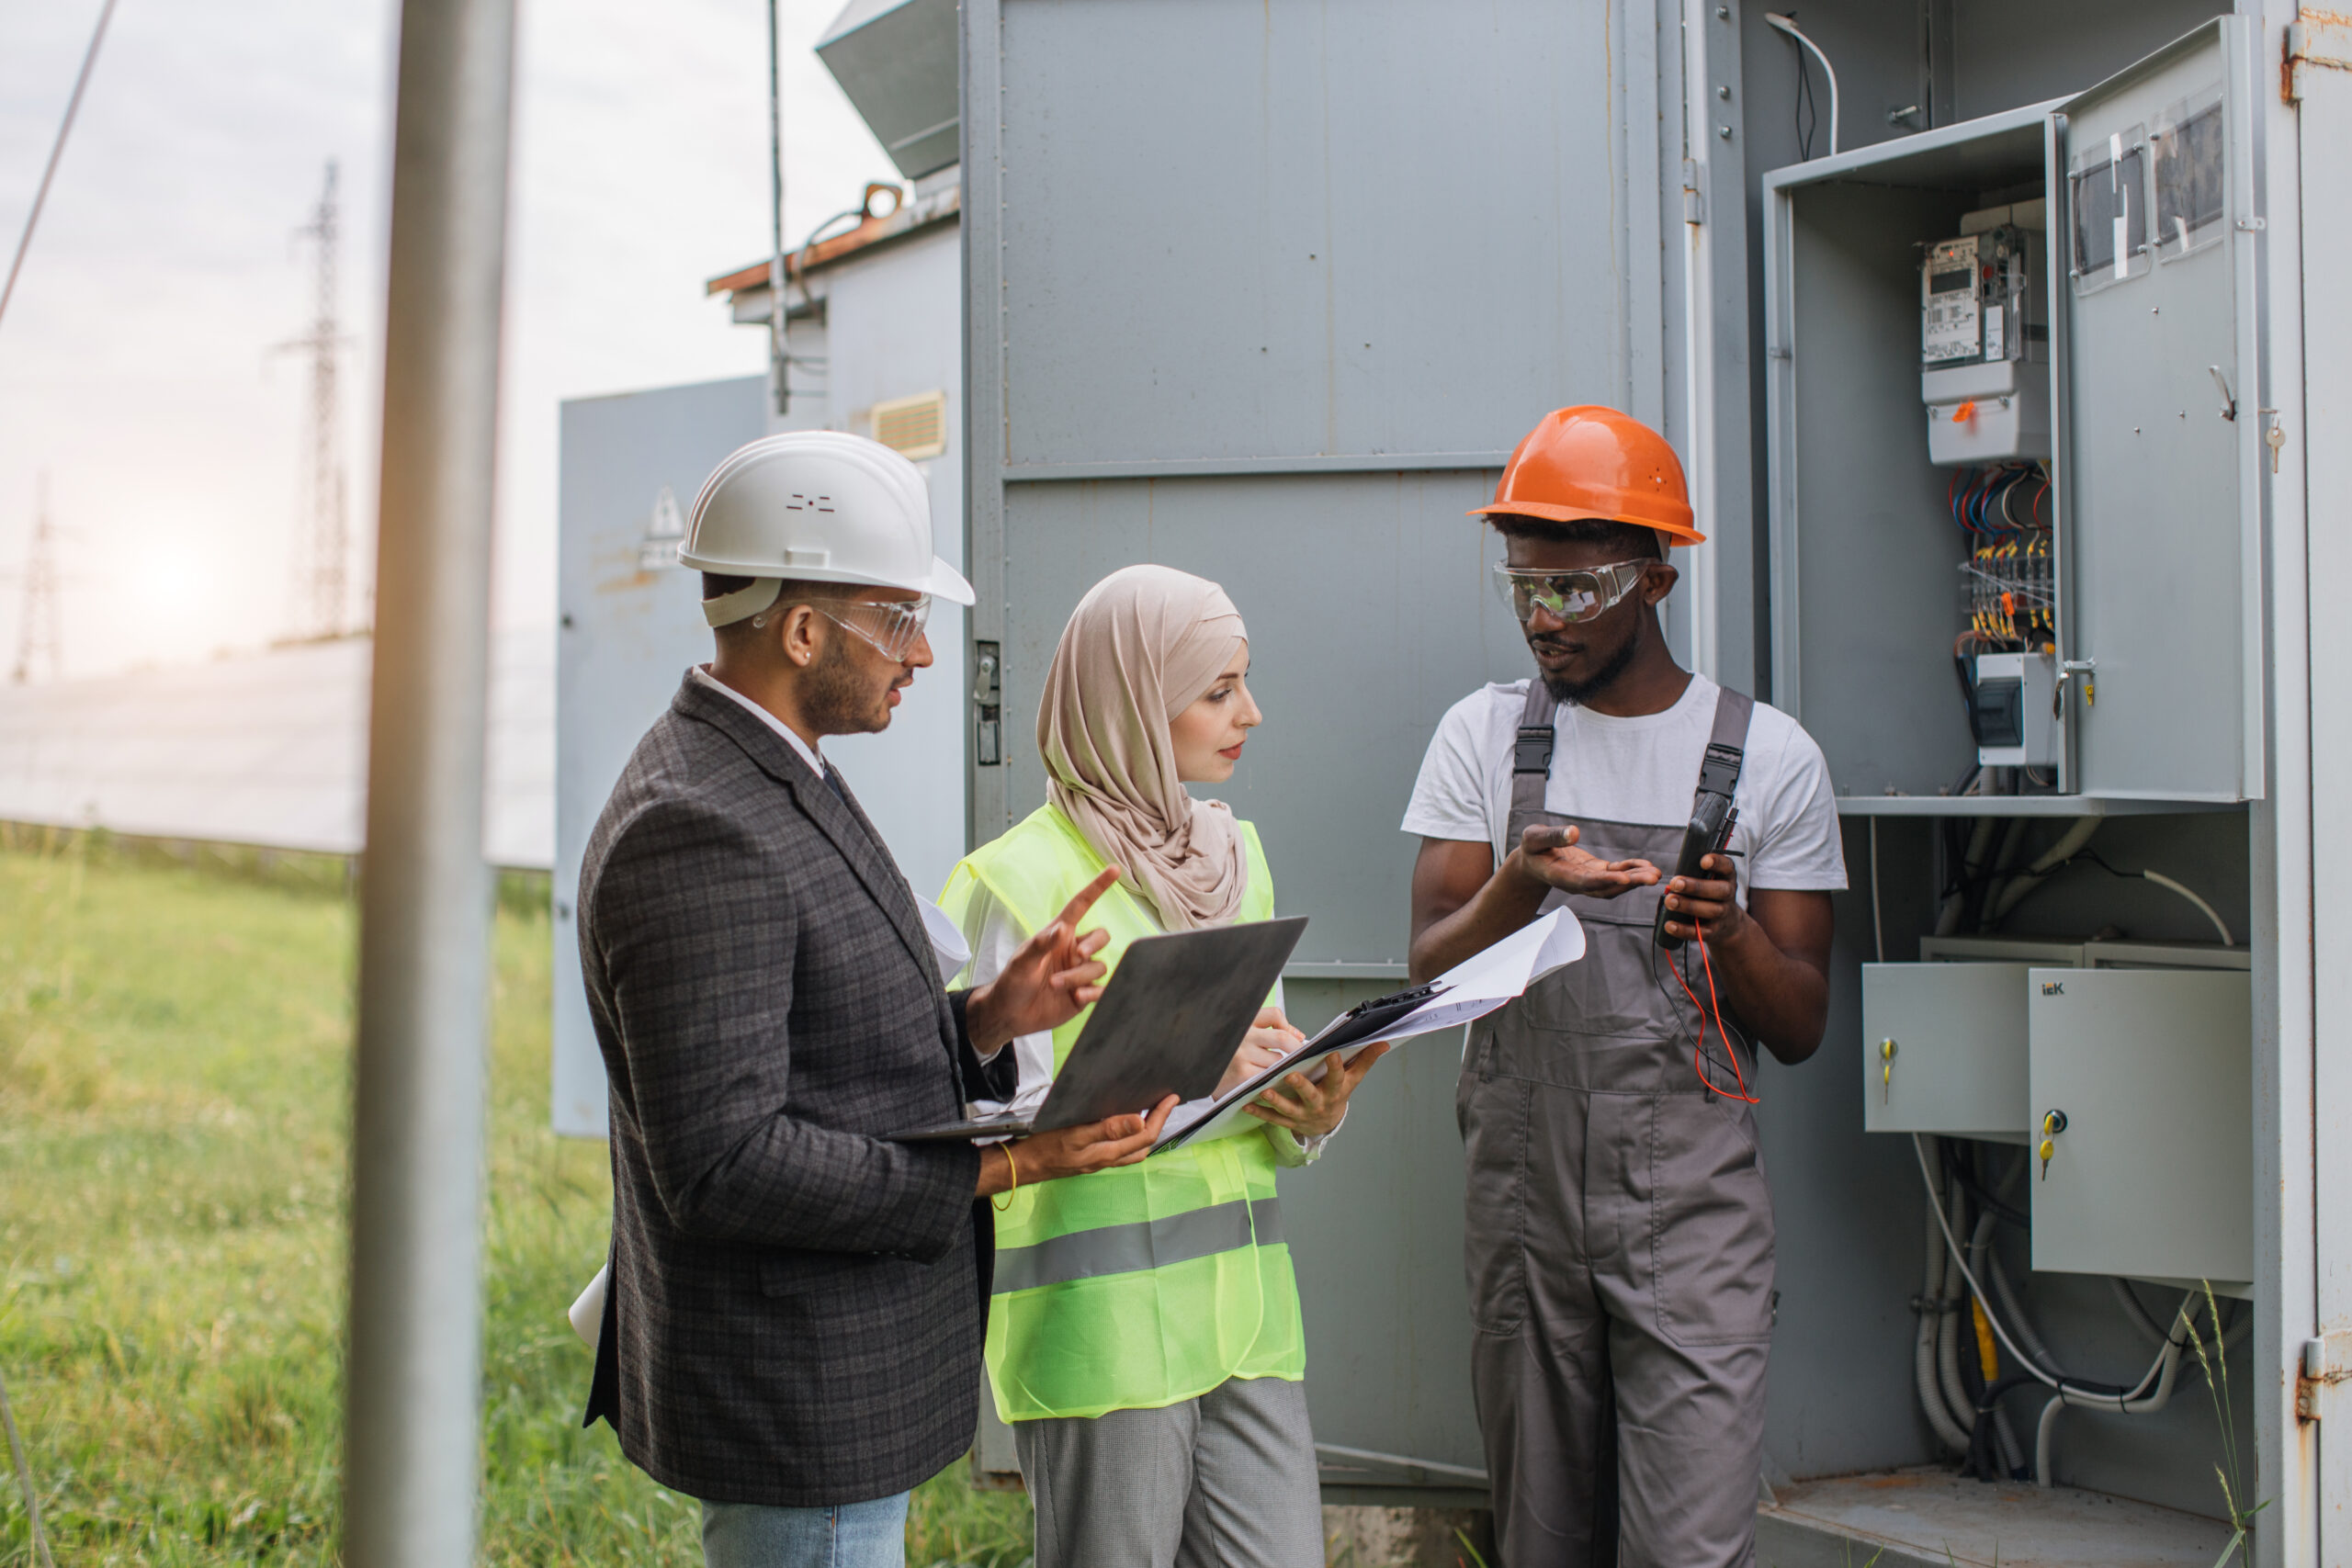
{"x":1144,"y":1338}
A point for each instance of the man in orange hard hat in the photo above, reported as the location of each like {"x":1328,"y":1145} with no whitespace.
{"x":1619,"y":1236}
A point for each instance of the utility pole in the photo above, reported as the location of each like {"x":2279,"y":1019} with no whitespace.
{"x":37,"y":631}
{"x":323,"y":544}
{"x":413,"y":1385}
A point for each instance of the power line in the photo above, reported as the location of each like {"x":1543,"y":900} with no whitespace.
{"x":73,"y":106}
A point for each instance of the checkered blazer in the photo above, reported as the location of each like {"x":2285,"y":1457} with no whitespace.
{"x":795,"y":1308}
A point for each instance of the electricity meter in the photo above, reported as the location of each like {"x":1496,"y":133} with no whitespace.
{"x":1983,"y":341}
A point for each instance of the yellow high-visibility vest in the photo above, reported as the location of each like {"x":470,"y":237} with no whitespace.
{"x":1148,"y":1284}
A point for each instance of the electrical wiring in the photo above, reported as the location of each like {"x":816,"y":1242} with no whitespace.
{"x":1787,"y":24}
{"x":2074,"y":1391}
{"x":1807,"y":118}
{"x":40,"y":196}
{"x":1699,"y":1058}
{"x":1878,"y":916}
{"x":2157,"y":877}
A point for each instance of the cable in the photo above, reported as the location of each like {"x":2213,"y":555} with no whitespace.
{"x":1805,"y":116}
{"x":2075,"y":1389}
{"x":2161,"y":880}
{"x":1788,"y":25}
{"x":1699,"y":1044}
{"x":56,"y":150}
{"x":2158,"y":877}
{"x":1878,"y":919}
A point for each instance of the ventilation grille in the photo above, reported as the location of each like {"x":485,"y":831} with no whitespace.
{"x":913,"y":427}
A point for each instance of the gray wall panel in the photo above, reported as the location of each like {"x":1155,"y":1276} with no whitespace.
{"x":2008,"y":52}
{"x":1848,"y":1211}
{"x":1375,"y":1229}
{"x":1234,"y":230}
{"x":1370,"y":613}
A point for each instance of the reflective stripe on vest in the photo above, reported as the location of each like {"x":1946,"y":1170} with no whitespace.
{"x":1144,"y":1285}
{"x":1142,"y":1244}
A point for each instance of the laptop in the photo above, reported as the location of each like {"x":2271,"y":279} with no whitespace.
{"x":1167,"y":1022}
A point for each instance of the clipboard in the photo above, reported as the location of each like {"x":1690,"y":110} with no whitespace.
{"x":1470,"y":991}
{"x":1167,"y":1022}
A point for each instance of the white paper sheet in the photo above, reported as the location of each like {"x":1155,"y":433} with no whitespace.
{"x":1468,"y":991}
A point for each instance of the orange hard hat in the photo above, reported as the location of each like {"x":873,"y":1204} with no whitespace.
{"x":1590,"y":461}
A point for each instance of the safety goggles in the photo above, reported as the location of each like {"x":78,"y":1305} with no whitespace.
{"x":1567,"y":595}
{"x":893,"y":626}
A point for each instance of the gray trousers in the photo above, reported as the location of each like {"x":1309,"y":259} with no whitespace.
{"x":1223,"y":1481}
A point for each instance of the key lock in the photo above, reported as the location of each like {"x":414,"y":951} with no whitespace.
{"x":2052,"y":1123}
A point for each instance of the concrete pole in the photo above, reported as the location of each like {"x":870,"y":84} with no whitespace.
{"x":413,"y":1416}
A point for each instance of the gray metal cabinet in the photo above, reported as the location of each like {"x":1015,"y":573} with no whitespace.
{"x":2158,"y":577}
{"x":1944,"y":1049}
{"x":2151,"y":1172}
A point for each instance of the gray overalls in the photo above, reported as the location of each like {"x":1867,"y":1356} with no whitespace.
{"x":1619,"y":1236}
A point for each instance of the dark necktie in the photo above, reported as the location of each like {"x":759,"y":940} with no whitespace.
{"x":833,"y":783}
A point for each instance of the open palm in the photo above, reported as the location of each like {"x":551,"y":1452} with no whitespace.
{"x":1551,"y":856}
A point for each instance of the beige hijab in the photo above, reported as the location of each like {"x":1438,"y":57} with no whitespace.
{"x":1140,"y":648}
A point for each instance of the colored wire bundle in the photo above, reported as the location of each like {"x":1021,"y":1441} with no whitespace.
{"x":2006,"y":498}
{"x":2008,"y":581}
{"x":2011,"y":591}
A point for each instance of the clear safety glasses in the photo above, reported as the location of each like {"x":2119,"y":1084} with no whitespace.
{"x":893,"y":626}
{"x":1567,"y":595}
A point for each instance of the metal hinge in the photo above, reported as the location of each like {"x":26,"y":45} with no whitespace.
{"x":1694,"y":201}
{"x":2315,"y":41}
{"x":2326,"y":1361}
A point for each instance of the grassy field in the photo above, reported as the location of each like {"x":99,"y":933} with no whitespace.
{"x":173,"y":1083}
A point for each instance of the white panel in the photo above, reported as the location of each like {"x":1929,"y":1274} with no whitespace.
{"x":2153,"y":1176}
{"x":1959,"y":1060}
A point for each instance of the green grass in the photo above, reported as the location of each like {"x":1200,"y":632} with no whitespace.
{"x":174,"y":1081}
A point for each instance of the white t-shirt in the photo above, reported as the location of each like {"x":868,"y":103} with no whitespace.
{"x":1640,"y":770}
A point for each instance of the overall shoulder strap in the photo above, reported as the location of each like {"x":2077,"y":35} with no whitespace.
{"x":1531,"y":753}
{"x":1719,"y":769}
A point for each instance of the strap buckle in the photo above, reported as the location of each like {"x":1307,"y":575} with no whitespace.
{"x":1719,"y":771}
{"x":1531,"y":752}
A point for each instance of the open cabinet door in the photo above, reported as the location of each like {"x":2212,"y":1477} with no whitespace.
{"x":2160,"y":434}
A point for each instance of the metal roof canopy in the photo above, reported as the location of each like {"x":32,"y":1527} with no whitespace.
{"x":895,"y":59}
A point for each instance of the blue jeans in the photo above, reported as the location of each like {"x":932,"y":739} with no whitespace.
{"x":852,"y":1535}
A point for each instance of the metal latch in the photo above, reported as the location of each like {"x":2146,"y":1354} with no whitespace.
{"x":2067,"y":670}
{"x":987,"y":709}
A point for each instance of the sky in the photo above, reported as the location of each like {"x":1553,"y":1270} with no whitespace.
{"x":137,"y":363}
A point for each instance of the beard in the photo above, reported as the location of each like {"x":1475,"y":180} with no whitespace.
{"x":837,"y":697}
{"x":1565,"y":690}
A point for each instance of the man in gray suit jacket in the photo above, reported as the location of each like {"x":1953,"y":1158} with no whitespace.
{"x":793,"y":1327}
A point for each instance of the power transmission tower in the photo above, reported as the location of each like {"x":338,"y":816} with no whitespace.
{"x":323,"y":542}
{"x":37,"y":630}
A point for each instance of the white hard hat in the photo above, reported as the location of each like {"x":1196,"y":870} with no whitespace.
{"x":820,"y":505}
